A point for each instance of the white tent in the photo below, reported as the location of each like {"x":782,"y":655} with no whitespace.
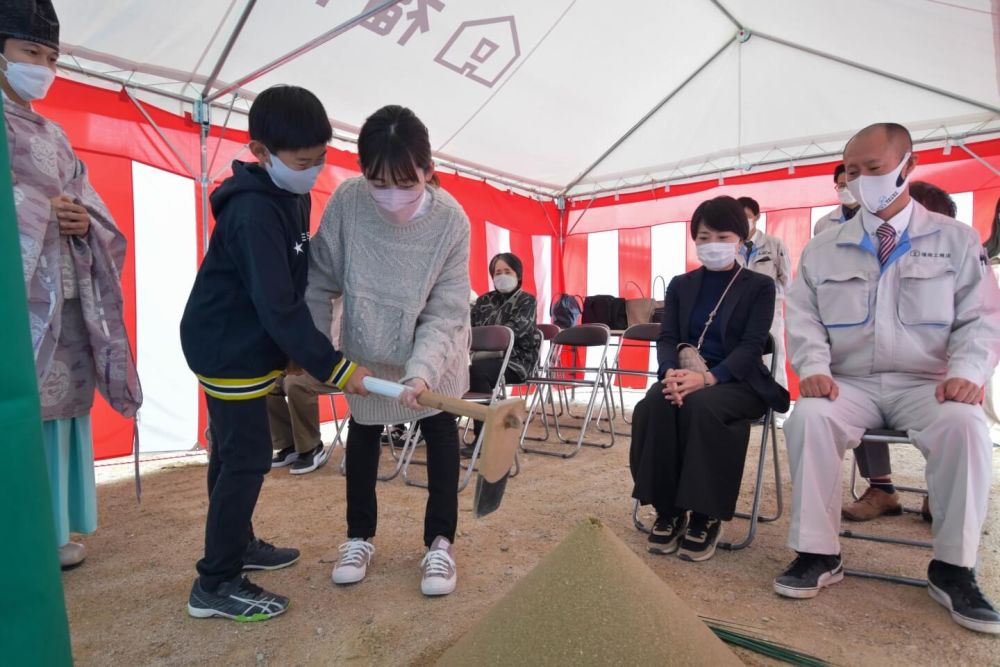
{"x":572,"y":97}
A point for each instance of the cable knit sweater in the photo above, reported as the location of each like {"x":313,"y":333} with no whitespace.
{"x":405,"y":290}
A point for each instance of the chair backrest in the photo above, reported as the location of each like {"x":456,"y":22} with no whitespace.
{"x":491,"y":338}
{"x":549,"y":331}
{"x":644,"y":332}
{"x":583,"y":335}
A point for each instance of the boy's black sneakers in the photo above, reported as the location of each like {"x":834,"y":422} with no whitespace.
{"x":701,"y":538}
{"x":956,"y":590}
{"x":284,"y":457}
{"x":667,"y":533}
{"x":237,"y":599}
{"x":308,"y":462}
{"x":809,"y":573}
{"x":261,"y":555}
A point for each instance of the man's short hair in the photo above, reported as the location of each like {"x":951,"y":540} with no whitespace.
{"x":723,"y":214}
{"x":289,"y":118}
{"x":750,"y":203}
{"x":897,"y":135}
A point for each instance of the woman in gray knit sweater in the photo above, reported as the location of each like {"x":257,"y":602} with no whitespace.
{"x":396,"y":249}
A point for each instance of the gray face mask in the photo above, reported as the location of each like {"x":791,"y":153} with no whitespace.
{"x":505,"y":283}
{"x":296,"y":181}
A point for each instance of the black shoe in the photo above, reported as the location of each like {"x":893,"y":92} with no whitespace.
{"x":666,"y":534}
{"x":263,"y":556}
{"x":284,"y":457}
{"x":702,"y":536}
{"x":237,"y":599}
{"x":807,"y":574}
{"x":311,"y":460}
{"x":396,"y":436}
{"x":956,"y":590}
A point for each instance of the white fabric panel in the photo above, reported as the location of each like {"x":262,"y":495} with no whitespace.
{"x":166,"y":259}
{"x":497,"y":241}
{"x":963,"y":204}
{"x":541,"y":250}
{"x":602,"y":276}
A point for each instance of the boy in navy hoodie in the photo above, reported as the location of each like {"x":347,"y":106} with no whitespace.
{"x":244,"y":325}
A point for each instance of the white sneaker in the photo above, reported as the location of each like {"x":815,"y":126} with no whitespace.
{"x":439,"y":573}
{"x":355,"y":555}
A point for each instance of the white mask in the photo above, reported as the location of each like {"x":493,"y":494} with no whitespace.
{"x":716,"y":256}
{"x":398,"y":205}
{"x":845,"y":197}
{"x":878,"y":192}
{"x":30,"y":82}
{"x":505,"y":283}
{"x":298,"y":182}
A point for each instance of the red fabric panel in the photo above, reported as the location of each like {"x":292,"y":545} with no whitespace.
{"x":634,"y":264}
{"x":984,"y":204}
{"x":575,"y":283}
{"x":112,"y":178}
{"x":793,"y":226}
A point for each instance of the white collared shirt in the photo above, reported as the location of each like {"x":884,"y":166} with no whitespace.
{"x":899,"y":222}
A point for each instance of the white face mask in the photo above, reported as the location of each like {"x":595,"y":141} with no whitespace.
{"x":878,"y":192}
{"x":505,"y":283}
{"x":30,"y":82}
{"x":845,"y":197}
{"x":299,"y":182}
{"x":716,"y":256}
{"x":398,"y":205}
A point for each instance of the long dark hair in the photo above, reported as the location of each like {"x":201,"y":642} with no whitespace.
{"x":393,"y":139}
{"x":993,"y":243}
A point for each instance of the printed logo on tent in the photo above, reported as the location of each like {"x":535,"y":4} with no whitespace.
{"x":385,"y":21}
{"x":482,"y":50}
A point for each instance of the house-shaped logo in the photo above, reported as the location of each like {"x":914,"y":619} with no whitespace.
{"x":482,"y":50}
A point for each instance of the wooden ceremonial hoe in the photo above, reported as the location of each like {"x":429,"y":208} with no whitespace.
{"x":502,"y":423}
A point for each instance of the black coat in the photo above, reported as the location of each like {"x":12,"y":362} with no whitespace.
{"x":745,"y":319}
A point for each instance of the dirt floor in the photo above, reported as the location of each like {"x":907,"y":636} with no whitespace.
{"x":127,"y":602}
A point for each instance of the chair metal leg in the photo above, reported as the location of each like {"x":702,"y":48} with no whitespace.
{"x":636,"y":521}
{"x":891,"y":578}
{"x":754,"y":516}
{"x":409,"y":444}
{"x":539,"y":396}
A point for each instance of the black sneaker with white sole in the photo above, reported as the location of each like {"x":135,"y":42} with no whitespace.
{"x":955,"y":588}
{"x":261,"y":555}
{"x":667,"y":533}
{"x":809,"y":573}
{"x":312,"y":460}
{"x":701,"y":538}
{"x":237,"y":599}
{"x":284,"y":457}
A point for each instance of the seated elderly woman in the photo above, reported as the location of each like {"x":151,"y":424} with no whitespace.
{"x":510,"y":306}
{"x":690,"y":432}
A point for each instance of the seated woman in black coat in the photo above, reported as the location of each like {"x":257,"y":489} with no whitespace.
{"x":690,"y":432}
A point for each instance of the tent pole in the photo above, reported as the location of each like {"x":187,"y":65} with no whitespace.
{"x":732,"y":19}
{"x":159,"y":132}
{"x":228,"y":47}
{"x":879,"y":72}
{"x":979,"y":159}
{"x":642,"y":121}
{"x":305,"y":48}
{"x":204,"y":121}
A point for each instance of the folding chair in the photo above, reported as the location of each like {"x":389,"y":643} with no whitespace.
{"x":554,"y":375}
{"x":755,"y":516}
{"x":637,"y":335}
{"x":548,"y":331}
{"x":888,"y":437}
{"x":339,"y":425}
{"x":490,"y":339}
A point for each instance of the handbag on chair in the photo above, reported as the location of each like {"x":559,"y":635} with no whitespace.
{"x":689,"y":356}
{"x":639,"y":311}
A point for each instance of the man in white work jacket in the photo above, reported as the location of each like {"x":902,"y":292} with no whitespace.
{"x":767,"y":254}
{"x":893,"y":321}
{"x":848,"y":208}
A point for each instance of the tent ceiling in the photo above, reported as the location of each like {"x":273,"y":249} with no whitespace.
{"x":578,"y":96}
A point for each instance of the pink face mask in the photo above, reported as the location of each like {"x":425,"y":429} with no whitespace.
{"x":396,"y":204}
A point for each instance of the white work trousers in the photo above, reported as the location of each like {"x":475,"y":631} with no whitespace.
{"x":953,"y":437}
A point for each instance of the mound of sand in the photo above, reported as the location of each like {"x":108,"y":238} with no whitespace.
{"x":591,"y":601}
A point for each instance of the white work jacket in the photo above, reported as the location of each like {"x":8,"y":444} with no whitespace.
{"x":769,"y":256}
{"x":932,"y":311}
{"x":833,"y":220}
